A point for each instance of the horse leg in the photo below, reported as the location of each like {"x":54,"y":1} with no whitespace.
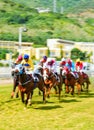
{"x":60,"y":89}
{"x":56,"y":92}
{"x":72,"y":90}
{"x":78,"y":88}
{"x":48,"y":92}
{"x":22,"y":96}
{"x":83,"y":85}
{"x":27,"y":99}
{"x":17,"y":93}
{"x":39,"y":93}
{"x":44,"y":94}
{"x":87,"y":86}
{"x":14,"y":87}
{"x":30,"y":98}
{"x":67,"y":89}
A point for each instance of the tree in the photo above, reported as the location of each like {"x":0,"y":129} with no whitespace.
{"x":76,"y":53}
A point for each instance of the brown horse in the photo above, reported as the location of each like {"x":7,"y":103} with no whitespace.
{"x":15,"y":90}
{"x":70,"y":81}
{"x":27,"y":85}
{"x":86,"y":82}
{"x":51,"y":81}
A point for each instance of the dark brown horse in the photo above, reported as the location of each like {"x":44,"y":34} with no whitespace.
{"x":70,"y":81}
{"x":51,"y":81}
{"x":27,"y":85}
{"x":15,"y":90}
{"x":86,"y":82}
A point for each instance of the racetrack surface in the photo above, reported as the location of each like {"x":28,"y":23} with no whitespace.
{"x":6,"y":81}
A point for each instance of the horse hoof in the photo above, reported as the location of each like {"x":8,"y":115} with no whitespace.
{"x":44,"y":102}
{"x":17,"y":96}
{"x":24,"y":108}
{"x":11,"y":96}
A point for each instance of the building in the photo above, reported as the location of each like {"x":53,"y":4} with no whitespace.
{"x":40,"y":52}
{"x":59,"y":48}
{"x":43,"y":10}
{"x":85,"y":46}
{"x":56,"y":48}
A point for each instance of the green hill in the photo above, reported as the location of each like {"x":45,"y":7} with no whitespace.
{"x":70,"y":6}
{"x":76,"y":23}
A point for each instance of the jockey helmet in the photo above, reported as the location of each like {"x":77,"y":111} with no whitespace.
{"x":26,"y":56}
{"x":52,"y":61}
{"x":69,"y":60}
{"x":78,"y":60}
{"x":63,"y":59}
{"x":49,"y":61}
{"x":20,"y":58}
{"x":44,"y":57}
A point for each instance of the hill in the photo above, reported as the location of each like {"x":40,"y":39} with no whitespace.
{"x":78,"y":26}
{"x":69,"y":6}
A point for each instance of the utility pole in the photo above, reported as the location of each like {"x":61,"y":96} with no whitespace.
{"x":62,"y":10}
{"x":54,"y":6}
{"x":21,"y":29}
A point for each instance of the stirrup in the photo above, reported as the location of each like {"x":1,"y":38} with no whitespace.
{"x":58,"y":79}
{"x":36,"y":79}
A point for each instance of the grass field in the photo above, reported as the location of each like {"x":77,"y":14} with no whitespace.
{"x":71,"y":113}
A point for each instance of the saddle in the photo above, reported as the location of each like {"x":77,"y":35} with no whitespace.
{"x":75,"y":74}
{"x":57,"y":77}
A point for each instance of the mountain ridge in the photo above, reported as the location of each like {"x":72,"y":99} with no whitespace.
{"x":77,"y":26}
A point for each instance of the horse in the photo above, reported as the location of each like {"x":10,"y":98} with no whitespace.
{"x":51,"y":81}
{"x":27,"y":84}
{"x":70,"y":81}
{"x":86,"y":82}
{"x":15,"y":90}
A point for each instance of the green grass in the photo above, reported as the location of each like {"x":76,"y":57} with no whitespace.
{"x":71,"y":113}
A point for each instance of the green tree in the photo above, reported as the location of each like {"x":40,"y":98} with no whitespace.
{"x":77,"y":53}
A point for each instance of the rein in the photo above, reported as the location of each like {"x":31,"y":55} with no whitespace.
{"x":22,"y":84}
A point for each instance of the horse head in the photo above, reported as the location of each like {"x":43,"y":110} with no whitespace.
{"x":19,"y":69}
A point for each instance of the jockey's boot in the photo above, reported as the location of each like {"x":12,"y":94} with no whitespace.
{"x":76,"y":76}
{"x":57,"y":77}
{"x":36,"y":79}
{"x":73,"y":74}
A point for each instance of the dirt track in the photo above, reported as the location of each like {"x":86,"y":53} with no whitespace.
{"x":6,"y":81}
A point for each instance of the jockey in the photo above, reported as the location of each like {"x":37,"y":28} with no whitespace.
{"x":27,"y":62}
{"x":43,"y":60}
{"x":63,"y":62}
{"x":29,"y":66}
{"x":15,"y":79}
{"x":52,"y":66}
{"x":19,"y":60}
{"x":79,"y":65}
{"x":71,"y":66}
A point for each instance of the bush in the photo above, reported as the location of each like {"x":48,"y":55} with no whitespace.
{"x":1,"y":64}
